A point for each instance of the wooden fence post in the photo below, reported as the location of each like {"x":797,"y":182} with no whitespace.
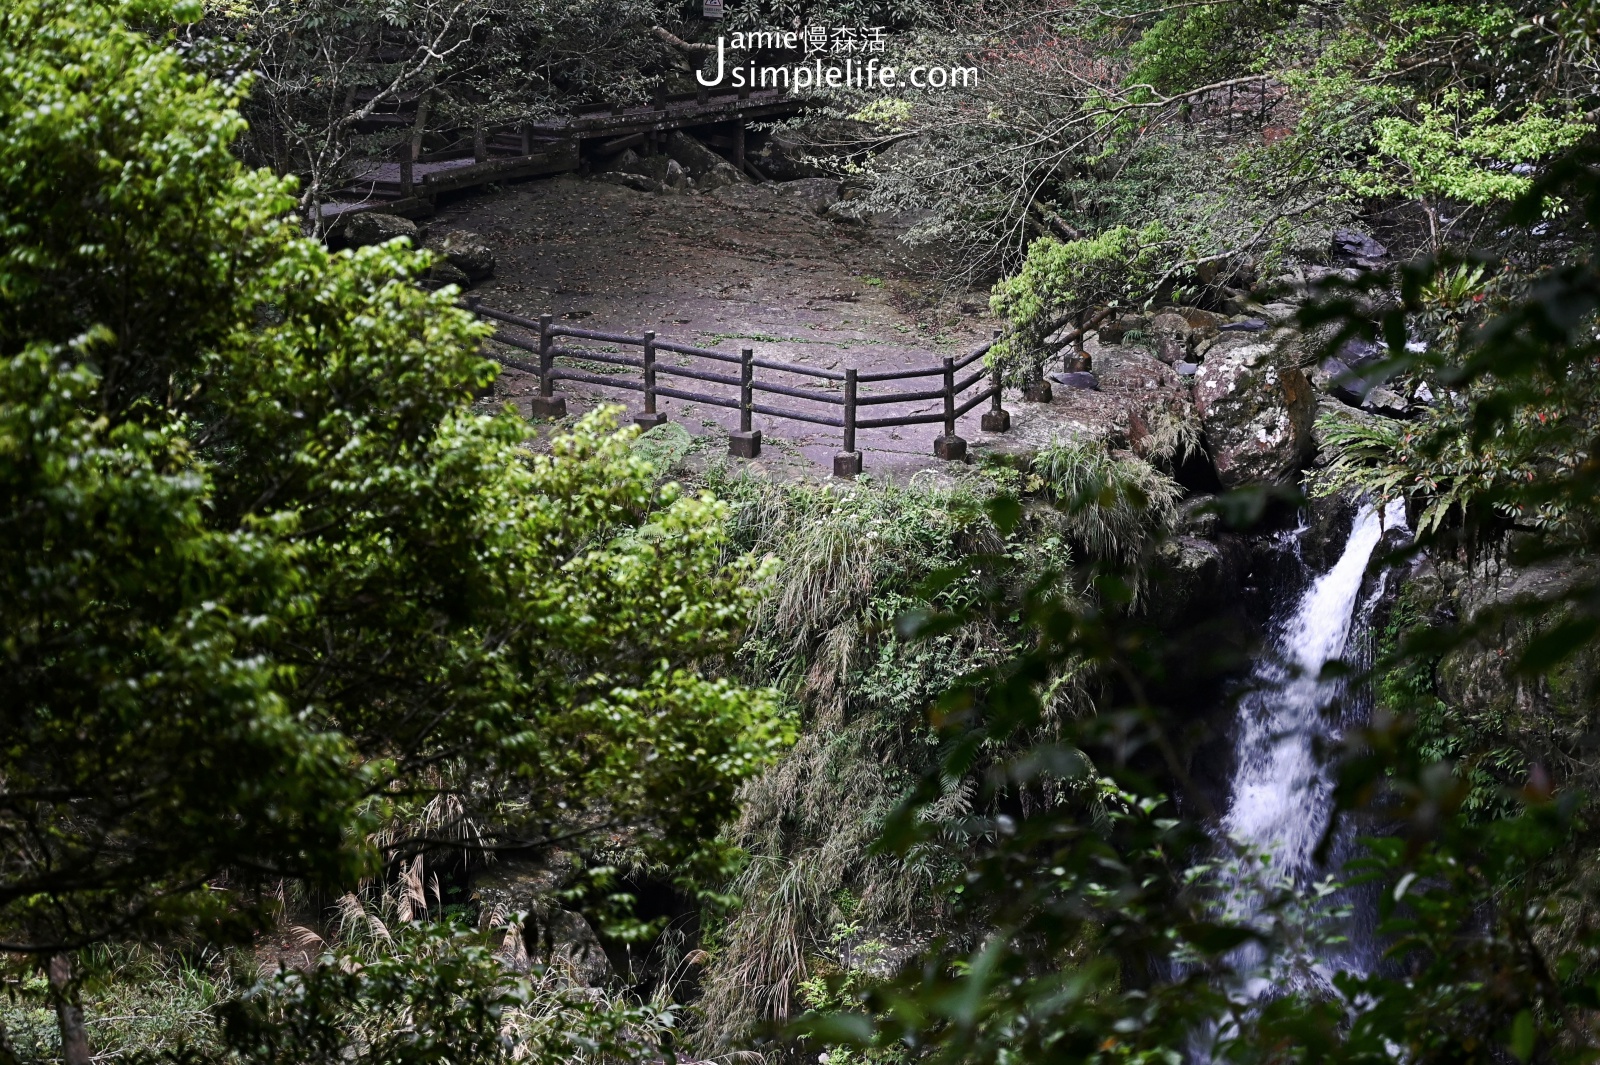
{"x":847,"y":463}
{"x":950,"y":446}
{"x":547,"y":404}
{"x":738,"y":147}
{"x":649,"y":419}
{"x":746,"y":443}
{"x":480,"y":143}
{"x":996,"y":419}
{"x":1078,"y":361}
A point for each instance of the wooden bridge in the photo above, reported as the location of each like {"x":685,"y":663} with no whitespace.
{"x":410,"y":183}
{"x":566,"y":353}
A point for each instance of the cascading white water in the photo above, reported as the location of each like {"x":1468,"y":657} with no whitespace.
{"x":1280,"y":799}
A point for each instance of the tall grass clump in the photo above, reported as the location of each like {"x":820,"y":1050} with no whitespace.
{"x":1111,"y":509}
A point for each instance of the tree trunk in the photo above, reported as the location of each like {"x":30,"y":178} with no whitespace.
{"x":69,"y":1012}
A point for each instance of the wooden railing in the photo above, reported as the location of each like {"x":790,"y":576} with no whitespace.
{"x":737,"y":373}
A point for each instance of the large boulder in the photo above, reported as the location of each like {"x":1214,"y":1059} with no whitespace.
{"x":814,"y":194}
{"x":784,"y":160}
{"x":709,"y":170}
{"x":467,"y":252}
{"x":652,"y":168}
{"x":1114,"y":331}
{"x":444,"y":272}
{"x":374,"y":227}
{"x":1157,"y":420}
{"x":1359,"y":249}
{"x":1203,"y":324}
{"x":1169,"y":336}
{"x":1256,"y":407}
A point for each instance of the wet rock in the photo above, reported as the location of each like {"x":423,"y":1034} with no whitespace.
{"x":374,"y":227}
{"x":1328,"y":522}
{"x":1387,"y":402}
{"x":1186,"y":369}
{"x":469,"y":253}
{"x":1247,"y":325}
{"x":1359,"y":249}
{"x":1257,"y":409}
{"x":1077,"y":379}
{"x":1340,"y":381}
{"x":1190,"y":570}
{"x":1200,"y":518}
{"x":1198,"y":573}
{"x":1359,"y":352}
{"x":677,"y":176}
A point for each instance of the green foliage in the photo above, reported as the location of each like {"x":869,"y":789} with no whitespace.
{"x":1112,"y":510}
{"x":276,"y":599}
{"x":1190,"y":47}
{"x":1460,"y":148}
{"x":1473,"y":739}
{"x":130,"y":625}
{"x":432,"y":992}
{"x":1060,"y":281}
{"x":849,"y":562}
{"x":141,"y":1002}
{"x":856,"y":567}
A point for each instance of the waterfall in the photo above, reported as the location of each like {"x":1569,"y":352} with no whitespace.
{"x":1281,"y":793}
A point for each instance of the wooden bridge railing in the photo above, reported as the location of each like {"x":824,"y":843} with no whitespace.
{"x":840,"y":411}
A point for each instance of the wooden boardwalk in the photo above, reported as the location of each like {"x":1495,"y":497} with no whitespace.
{"x":410,"y":185}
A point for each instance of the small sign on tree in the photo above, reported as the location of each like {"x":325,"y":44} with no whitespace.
{"x":712,"y":9}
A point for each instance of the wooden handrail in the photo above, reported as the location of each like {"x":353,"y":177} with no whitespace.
{"x":746,"y":441}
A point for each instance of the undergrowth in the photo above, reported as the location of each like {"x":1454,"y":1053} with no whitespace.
{"x":855,"y":562}
{"x":815,"y":903}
